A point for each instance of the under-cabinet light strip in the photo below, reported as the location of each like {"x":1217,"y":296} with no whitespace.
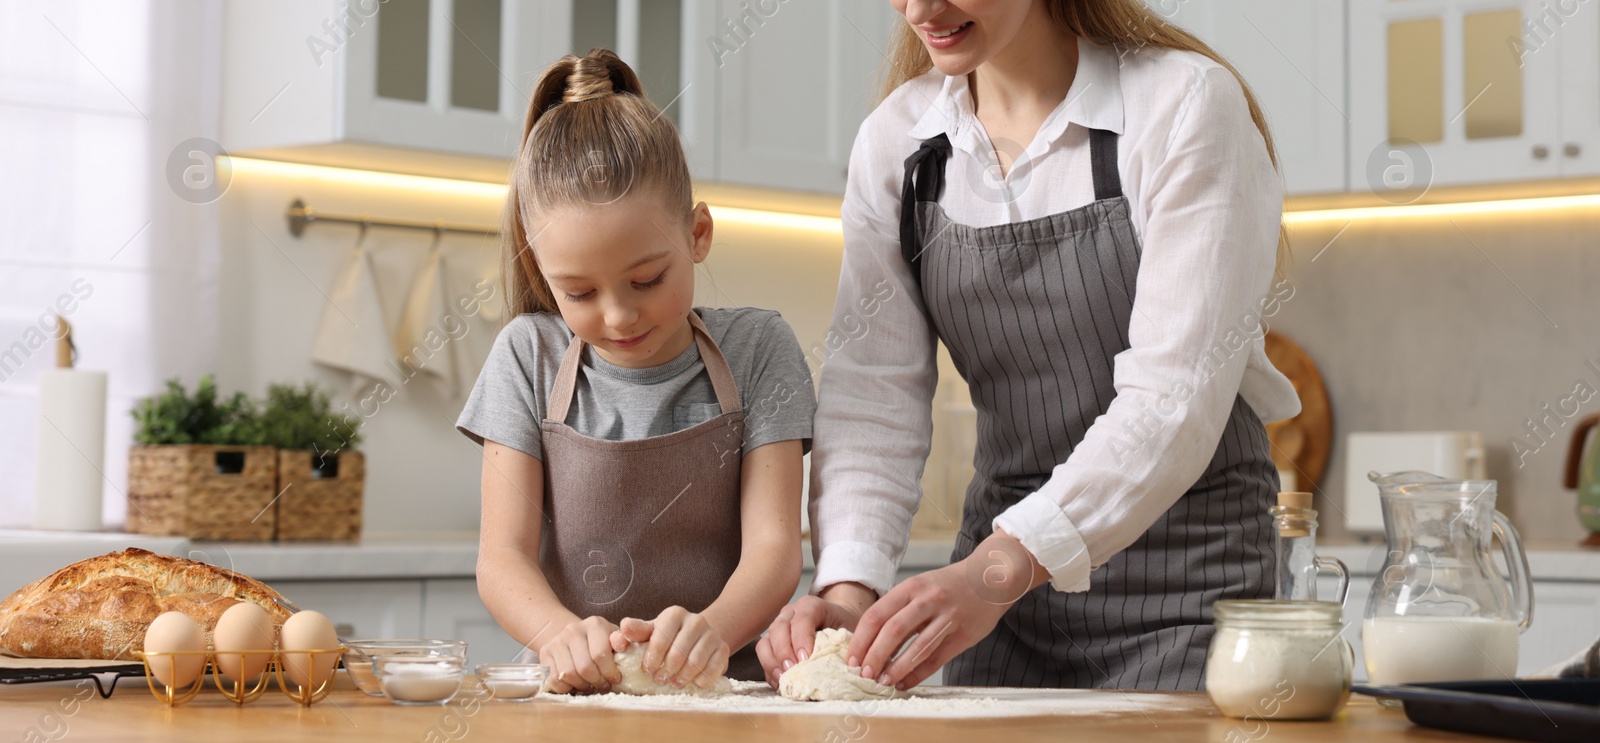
{"x":496,"y":191}
{"x":832,"y":225}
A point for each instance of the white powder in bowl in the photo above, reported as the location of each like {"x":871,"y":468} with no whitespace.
{"x":509,"y":688}
{"x":420,"y":685}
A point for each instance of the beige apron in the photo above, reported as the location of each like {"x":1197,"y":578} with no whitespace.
{"x":638,"y":526}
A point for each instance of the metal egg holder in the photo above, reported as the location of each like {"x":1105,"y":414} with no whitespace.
{"x":242,"y":690}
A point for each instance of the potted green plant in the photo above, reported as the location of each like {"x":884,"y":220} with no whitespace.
{"x":201,"y":468}
{"x":321,"y":476}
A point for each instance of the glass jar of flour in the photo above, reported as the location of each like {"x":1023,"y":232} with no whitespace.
{"x":1278,"y":660}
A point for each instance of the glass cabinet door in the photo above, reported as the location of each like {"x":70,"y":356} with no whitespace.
{"x":409,"y":55}
{"x":647,"y":34}
{"x":1457,"y":90}
{"x":403,"y":50}
{"x":475,"y":55}
{"x":450,"y":75}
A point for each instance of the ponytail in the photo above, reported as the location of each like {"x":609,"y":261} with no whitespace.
{"x":590,"y":138}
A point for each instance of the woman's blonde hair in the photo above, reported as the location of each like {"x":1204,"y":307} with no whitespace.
{"x":591,"y":137}
{"x":1120,"y":23}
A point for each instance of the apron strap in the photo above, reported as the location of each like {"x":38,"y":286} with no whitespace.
{"x":555,"y":409}
{"x":716,"y":364}
{"x":1103,"y":157}
{"x":924,"y":181}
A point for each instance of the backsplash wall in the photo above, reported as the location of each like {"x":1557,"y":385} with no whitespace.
{"x":1460,"y":323}
{"x":1411,"y":321}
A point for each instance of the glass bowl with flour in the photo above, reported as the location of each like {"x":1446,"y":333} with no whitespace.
{"x":512,"y":682}
{"x":419,"y":680}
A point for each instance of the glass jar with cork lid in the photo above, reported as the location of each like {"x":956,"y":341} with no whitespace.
{"x":1295,"y":527}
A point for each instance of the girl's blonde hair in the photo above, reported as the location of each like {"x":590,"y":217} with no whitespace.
{"x":1128,"y":24}
{"x":591,"y":137}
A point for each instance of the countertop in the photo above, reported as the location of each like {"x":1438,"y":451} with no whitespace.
{"x":447,"y":555}
{"x":59,"y":711}
{"x":1547,"y":560}
{"x":26,"y":556}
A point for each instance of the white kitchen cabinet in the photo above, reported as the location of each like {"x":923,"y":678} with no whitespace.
{"x":361,"y":609}
{"x":794,"y":88}
{"x":1580,"y":87}
{"x":452,"y":609}
{"x":1448,"y":92}
{"x":451,"y":76}
{"x":763,"y":93}
{"x":1566,"y":618}
{"x":1292,"y":54}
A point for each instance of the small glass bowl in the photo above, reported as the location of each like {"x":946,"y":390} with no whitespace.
{"x":419,"y":680}
{"x":512,"y":682}
{"x":361,"y":654}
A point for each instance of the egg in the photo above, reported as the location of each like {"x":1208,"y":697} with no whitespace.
{"x":308,"y":630}
{"x":175,"y":632}
{"x":244,"y":626}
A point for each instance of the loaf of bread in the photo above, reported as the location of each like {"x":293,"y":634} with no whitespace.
{"x":100,"y":607}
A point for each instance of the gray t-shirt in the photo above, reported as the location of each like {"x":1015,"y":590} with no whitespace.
{"x":622,"y":404}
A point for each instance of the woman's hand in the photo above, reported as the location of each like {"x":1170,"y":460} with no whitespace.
{"x":949,"y":610}
{"x":682,"y":647}
{"x":580,"y":657}
{"x":790,"y":638}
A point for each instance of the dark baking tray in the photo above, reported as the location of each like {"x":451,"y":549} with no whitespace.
{"x":1552,"y":710}
{"x":105,"y":677}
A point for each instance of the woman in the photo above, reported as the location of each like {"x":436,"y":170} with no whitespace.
{"x":1081,"y":201}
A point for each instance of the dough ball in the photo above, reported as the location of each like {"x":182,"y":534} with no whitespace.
{"x":638,"y":683}
{"x":824,"y":676}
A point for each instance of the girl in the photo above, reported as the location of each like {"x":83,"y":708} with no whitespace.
{"x":641,"y":457}
{"x":1081,"y":201}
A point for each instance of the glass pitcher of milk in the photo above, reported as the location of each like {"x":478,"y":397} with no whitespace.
{"x":1440,"y":609}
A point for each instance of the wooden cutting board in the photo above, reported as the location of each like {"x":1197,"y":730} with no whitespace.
{"x":1301,"y":444}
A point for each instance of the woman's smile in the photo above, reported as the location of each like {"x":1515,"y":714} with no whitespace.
{"x":947,"y":36}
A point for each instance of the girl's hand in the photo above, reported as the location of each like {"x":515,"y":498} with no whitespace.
{"x":580,"y":659}
{"x":682,"y":647}
{"x":792,"y":635}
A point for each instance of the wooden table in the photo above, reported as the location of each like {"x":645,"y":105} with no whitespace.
{"x":64,"y":712}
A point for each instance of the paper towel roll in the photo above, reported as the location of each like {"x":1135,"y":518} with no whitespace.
{"x":72,"y":450}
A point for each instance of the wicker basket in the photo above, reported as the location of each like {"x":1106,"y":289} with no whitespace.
{"x":199,"y":491}
{"x":320,"y":505}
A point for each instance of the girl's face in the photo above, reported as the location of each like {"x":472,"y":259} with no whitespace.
{"x":961,"y":35}
{"x":623,"y":275}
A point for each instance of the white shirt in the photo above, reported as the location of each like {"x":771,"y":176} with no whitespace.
{"x":1206,"y":204}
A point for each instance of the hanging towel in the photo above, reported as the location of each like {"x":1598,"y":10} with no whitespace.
{"x":353,"y":333}
{"x":428,"y":340}
{"x":475,"y":276}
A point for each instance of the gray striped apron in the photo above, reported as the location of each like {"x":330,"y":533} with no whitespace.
{"x":1033,"y":313}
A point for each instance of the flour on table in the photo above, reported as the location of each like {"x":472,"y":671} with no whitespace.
{"x":825,"y":676}
{"x":926,"y":702}
{"x":636,"y":682}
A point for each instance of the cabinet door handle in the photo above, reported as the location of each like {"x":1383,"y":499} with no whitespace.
{"x":1572,"y":149}
{"x":1540,"y":152}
